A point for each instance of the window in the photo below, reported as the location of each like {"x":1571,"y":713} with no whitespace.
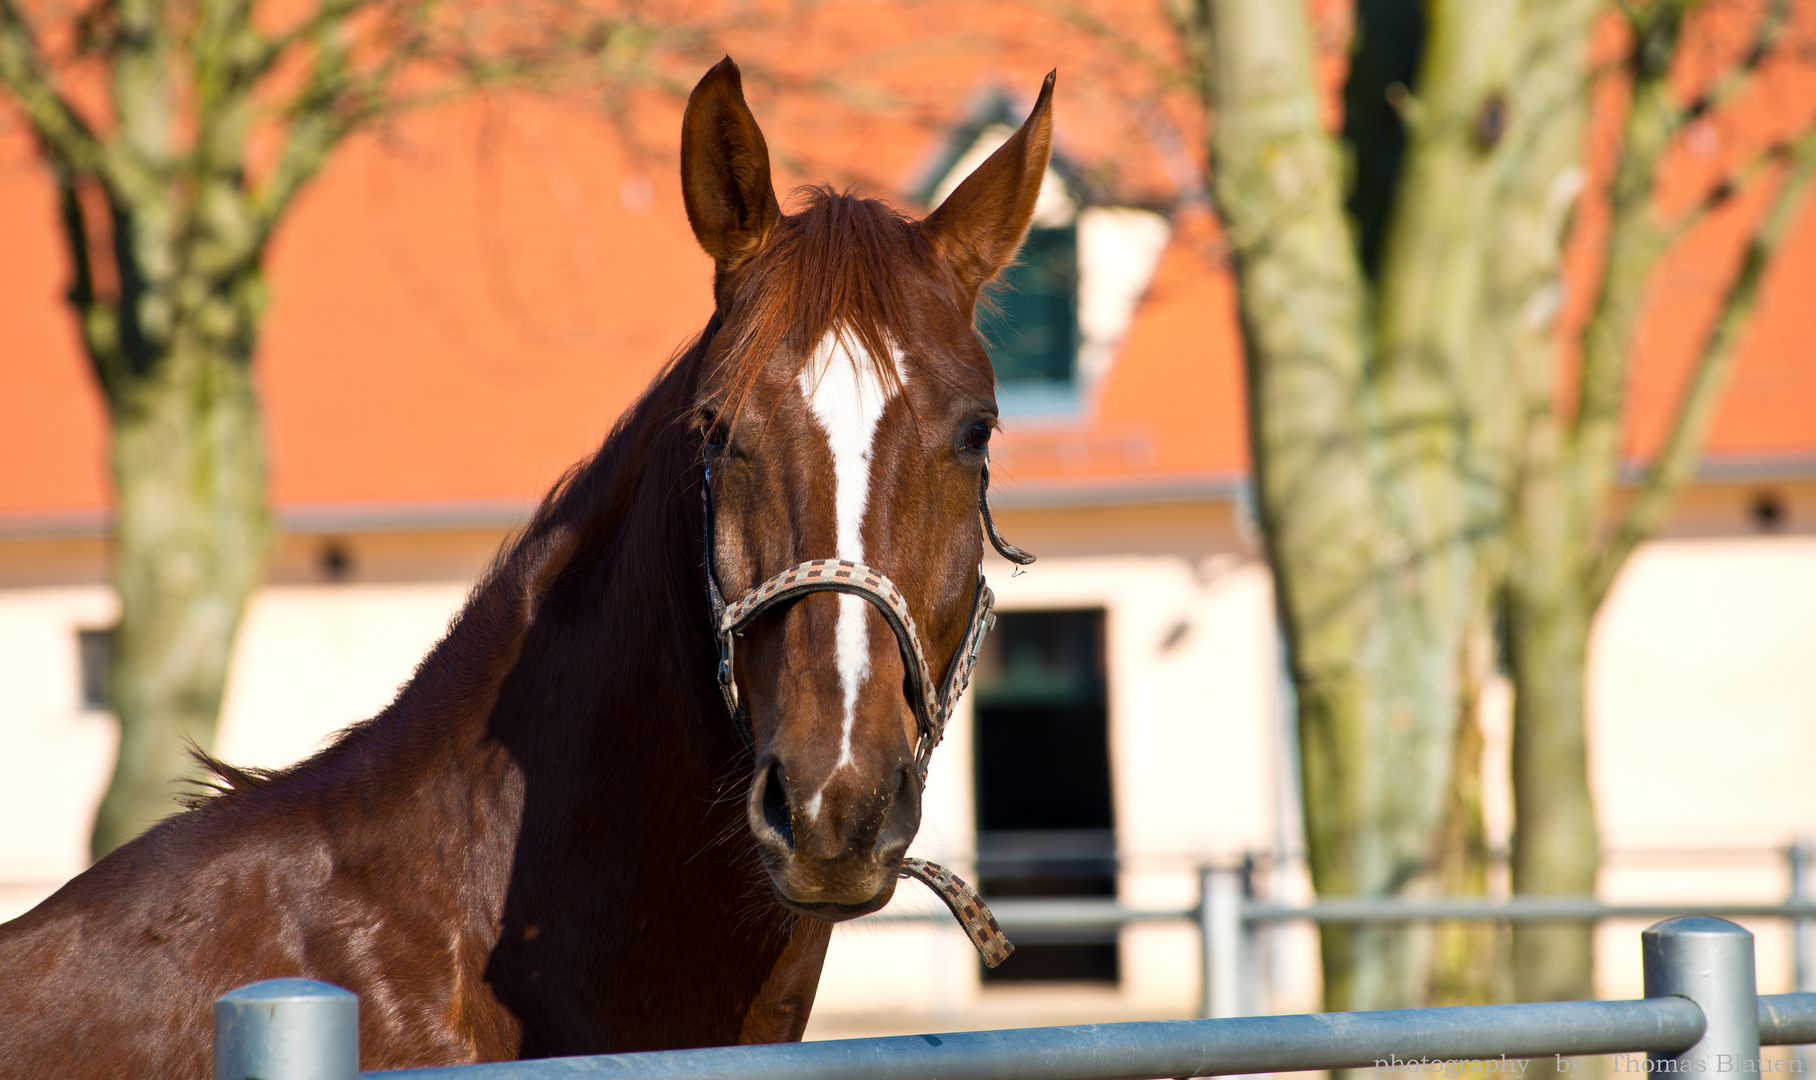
{"x":1039,"y":334}
{"x":93,"y":648}
{"x":1767,"y":512}
{"x":1033,"y":333}
{"x":1045,"y":817}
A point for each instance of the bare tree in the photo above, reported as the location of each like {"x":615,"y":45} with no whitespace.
{"x":1416,"y":465}
{"x":152,"y":116}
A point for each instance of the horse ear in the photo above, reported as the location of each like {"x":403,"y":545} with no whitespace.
{"x":982,"y":224}
{"x":725,"y":169}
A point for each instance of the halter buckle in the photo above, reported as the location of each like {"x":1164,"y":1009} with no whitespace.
{"x":977,"y":644}
{"x":728,"y":687}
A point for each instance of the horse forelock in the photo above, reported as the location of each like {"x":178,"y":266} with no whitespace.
{"x":848,"y":268}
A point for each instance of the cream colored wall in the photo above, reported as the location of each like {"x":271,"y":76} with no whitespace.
{"x":57,"y":755}
{"x":1703,"y":706}
{"x":312,"y":659}
{"x":309,"y":661}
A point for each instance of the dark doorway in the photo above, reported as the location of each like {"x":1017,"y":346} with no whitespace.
{"x":1045,"y":822}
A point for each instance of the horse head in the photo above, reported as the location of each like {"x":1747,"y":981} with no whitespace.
{"x":845,"y":409}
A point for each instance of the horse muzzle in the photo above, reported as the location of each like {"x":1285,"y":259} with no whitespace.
{"x":834,"y":852}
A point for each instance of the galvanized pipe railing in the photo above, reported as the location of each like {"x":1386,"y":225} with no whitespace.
{"x":1700,"y":1013}
{"x":1161,"y":1047}
{"x":1093,"y":913}
{"x":1224,"y":915}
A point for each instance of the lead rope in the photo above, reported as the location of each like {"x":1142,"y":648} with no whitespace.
{"x":932,"y":706}
{"x":966,"y":906}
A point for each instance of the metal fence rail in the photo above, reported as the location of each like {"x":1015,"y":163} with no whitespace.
{"x":1160,"y":1047}
{"x":1226,"y":918}
{"x":1093,"y":913}
{"x":1701,"y":1013}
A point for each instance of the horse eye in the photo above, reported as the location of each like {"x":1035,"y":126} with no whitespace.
{"x":713,"y":430}
{"x":978,"y":438}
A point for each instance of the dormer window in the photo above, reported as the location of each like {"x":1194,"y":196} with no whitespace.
{"x":1054,"y":320}
{"x":1033,"y":333}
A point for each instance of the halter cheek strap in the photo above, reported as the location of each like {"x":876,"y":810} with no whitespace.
{"x":728,"y":686}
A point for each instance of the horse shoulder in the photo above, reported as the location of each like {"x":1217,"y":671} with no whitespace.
{"x":101,"y":975}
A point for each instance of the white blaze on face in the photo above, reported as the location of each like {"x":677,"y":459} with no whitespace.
{"x":847,"y":398}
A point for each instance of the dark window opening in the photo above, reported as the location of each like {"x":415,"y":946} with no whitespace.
{"x":93,"y":649}
{"x":1045,"y":819}
{"x":1767,"y":512}
{"x":1033,"y":333}
{"x":336,"y":561}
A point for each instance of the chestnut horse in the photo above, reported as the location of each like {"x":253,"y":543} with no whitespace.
{"x":557,"y":840}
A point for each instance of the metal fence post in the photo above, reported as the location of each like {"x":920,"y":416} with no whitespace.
{"x":1803,"y":963}
{"x":1220,"y":934}
{"x":1709,"y":961}
{"x":1251,"y":952}
{"x":286,"y":1029}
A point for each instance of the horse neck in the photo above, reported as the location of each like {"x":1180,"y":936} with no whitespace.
{"x":576,"y":690}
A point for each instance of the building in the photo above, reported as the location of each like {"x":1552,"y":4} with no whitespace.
{"x":462,"y":313}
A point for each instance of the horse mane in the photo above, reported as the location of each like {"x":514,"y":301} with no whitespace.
{"x":216,"y":778}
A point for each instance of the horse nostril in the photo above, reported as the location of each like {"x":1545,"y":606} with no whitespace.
{"x":901,"y":817}
{"x":776,"y":813}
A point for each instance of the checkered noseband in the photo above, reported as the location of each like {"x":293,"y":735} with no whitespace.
{"x":932,"y":706}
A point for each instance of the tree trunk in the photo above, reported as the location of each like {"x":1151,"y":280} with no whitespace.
{"x":1376,"y":584}
{"x":191,"y":534}
{"x":1410,"y":460}
{"x":1408,"y":753}
{"x":1556,"y":850}
{"x":1467,"y":957}
{"x":1437,"y":508}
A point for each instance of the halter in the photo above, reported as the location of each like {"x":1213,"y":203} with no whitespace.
{"x":932,"y":706}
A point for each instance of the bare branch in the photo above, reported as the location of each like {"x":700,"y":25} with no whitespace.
{"x":62,"y":130}
{"x":336,"y":101}
{"x":1676,"y":463}
{"x":1765,"y":37}
{"x":1167,"y":72}
{"x":333,"y":104}
{"x":327,"y":14}
{"x":1739,"y":179}
{"x":1635,"y":239}
{"x":94,"y":287}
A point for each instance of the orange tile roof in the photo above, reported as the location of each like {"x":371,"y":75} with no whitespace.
{"x":1171,"y":406}
{"x":1769,"y":407}
{"x":457,"y":319}
{"x":52,"y":425}
{"x":461,"y":309}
